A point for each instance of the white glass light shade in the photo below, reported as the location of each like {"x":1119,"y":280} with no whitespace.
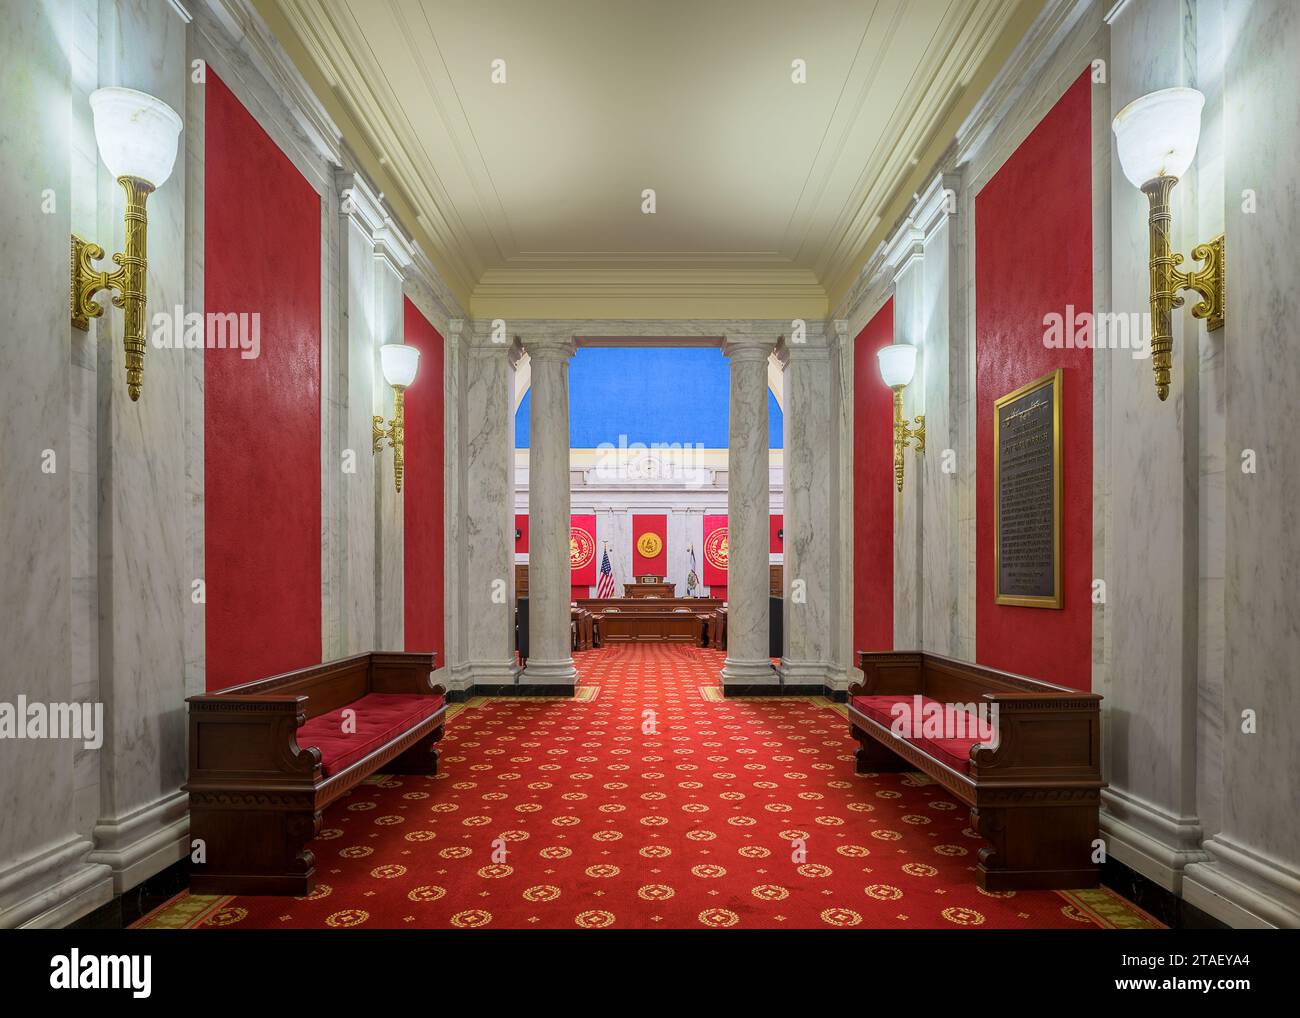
{"x":897,"y":364}
{"x":399,"y":363}
{"x":1157,"y":134}
{"x":136,"y":134}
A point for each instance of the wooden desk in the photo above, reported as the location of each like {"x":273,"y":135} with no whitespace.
{"x":695,"y":604}
{"x":649,"y":590}
{"x":651,"y":627}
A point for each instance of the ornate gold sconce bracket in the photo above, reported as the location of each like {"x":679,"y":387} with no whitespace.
{"x":903,"y":433}
{"x":395,"y":433}
{"x":127,"y":282}
{"x":1167,"y":281}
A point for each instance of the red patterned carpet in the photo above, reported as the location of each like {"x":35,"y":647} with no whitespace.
{"x":653,"y":805}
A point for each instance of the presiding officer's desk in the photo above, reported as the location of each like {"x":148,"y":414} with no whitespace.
{"x":650,"y":619}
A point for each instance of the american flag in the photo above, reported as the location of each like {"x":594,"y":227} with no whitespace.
{"x":605,"y":585}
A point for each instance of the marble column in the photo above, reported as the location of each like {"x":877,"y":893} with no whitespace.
{"x":486,"y":522}
{"x":748,"y":662}
{"x":807,"y":599}
{"x":550,"y":660}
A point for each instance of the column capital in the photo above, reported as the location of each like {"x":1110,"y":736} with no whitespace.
{"x":936,"y":203}
{"x":358,"y":201}
{"x":750,"y":345}
{"x":549,"y":344}
{"x":906,"y":248}
{"x":393,"y":248}
{"x":490,"y":334}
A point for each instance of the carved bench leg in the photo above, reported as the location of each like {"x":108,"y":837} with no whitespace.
{"x":1037,"y":847}
{"x":873,"y":758}
{"x":254,"y":847}
{"x":421,"y":758}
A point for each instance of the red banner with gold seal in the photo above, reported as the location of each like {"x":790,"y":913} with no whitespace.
{"x":649,"y":545}
{"x":582,"y":550}
{"x":715,"y":551}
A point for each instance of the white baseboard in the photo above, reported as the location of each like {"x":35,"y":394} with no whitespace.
{"x":1243,"y":887}
{"x":1149,"y":839}
{"x":53,"y":887}
{"x":145,"y":841}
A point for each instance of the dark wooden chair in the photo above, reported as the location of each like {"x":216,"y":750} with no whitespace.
{"x":267,"y":757}
{"x":1033,"y":793}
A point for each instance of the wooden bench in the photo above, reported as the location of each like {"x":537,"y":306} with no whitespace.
{"x":267,"y":757}
{"x":1033,"y":794}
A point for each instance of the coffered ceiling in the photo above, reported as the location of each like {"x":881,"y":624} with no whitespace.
{"x":528,"y":193}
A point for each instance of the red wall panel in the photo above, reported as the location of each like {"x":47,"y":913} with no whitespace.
{"x":777,"y":544}
{"x":873,"y":488}
{"x":583,"y":537}
{"x":521,"y":525}
{"x":422,"y":489}
{"x":261,"y":416}
{"x":712,"y":559}
{"x":1033,"y":256}
{"x":656,"y":565}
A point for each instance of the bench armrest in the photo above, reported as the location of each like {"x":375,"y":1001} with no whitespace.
{"x":235,"y":737}
{"x":403,"y":673}
{"x":887,"y":672}
{"x":1055,"y":735}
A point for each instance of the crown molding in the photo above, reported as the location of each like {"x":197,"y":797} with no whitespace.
{"x":333,"y":46}
{"x":971,"y":43}
{"x":649,"y":294}
{"x":246,"y":28}
{"x":1021,"y":71}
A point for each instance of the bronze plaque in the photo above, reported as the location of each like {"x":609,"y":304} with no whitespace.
{"x":1027,"y":495}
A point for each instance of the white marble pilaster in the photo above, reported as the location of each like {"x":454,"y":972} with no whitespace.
{"x":748,"y":662}
{"x":1252,"y":874}
{"x":1150,"y":820}
{"x":550,"y":658}
{"x":808,"y":421}
{"x":939,"y":563}
{"x":356,"y":465}
{"x":450,"y":670}
{"x":907,"y":257}
{"x":46,"y":473}
{"x":614,"y":532}
{"x":843,"y":669}
{"x":392,"y":258}
{"x":144,"y":566}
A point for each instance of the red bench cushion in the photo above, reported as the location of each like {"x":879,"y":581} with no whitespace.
{"x":953,"y":752}
{"x":380,"y":718}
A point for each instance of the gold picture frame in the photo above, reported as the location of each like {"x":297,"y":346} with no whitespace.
{"x":1052,"y":379}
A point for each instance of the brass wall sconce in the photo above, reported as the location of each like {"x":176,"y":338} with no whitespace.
{"x":399,"y":363}
{"x":136,"y":136}
{"x":897,"y":366}
{"x":1156,"y":136}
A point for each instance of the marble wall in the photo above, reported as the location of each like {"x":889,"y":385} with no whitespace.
{"x":1252,"y":875}
{"x":47,"y":462}
{"x":1199,"y":556}
{"x":109,"y":524}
